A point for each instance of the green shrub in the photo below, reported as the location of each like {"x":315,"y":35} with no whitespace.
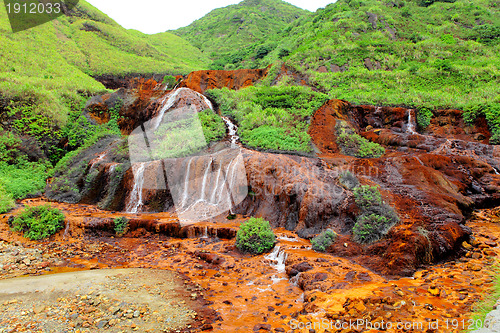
{"x":169,"y":81}
{"x":367,"y":196}
{"x":6,"y":201}
{"x":370,"y":228}
{"x":24,"y":178}
{"x":353,"y":144}
{"x":323,"y":240}
{"x":376,"y":217}
{"x":424,"y":116}
{"x":213,"y":126}
{"x":255,"y":236}
{"x":491,"y":112}
{"x":38,"y":222}
{"x":487,"y":34}
{"x":121,"y":225}
{"x":271,"y":117}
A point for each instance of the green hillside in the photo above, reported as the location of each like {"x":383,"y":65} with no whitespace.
{"x":238,"y":27}
{"x":53,"y":61}
{"x":424,"y":54}
{"x":46,"y":77}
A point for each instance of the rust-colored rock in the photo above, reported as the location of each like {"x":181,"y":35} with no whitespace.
{"x":201,"y":81}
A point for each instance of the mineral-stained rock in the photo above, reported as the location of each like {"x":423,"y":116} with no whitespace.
{"x":201,"y":81}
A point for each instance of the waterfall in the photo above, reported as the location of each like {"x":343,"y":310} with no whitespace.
{"x":204,"y":181}
{"x":212,"y":185}
{"x":186,"y":184}
{"x":411,"y":124}
{"x":169,"y":101}
{"x":205,"y":232}
{"x":135,"y":199}
{"x":277,"y":257}
{"x":206,"y":100}
{"x":214,"y":192}
{"x":172,"y":98}
{"x":232,"y":130}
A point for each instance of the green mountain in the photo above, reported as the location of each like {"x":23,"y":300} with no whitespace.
{"x":56,"y":60}
{"x":46,"y":76}
{"x":236,"y":27}
{"x":416,"y":53}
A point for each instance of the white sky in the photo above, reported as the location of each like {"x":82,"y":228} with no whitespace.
{"x":152,"y":16}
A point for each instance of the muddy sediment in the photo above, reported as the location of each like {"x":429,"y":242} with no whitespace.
{"x":251,"y":292}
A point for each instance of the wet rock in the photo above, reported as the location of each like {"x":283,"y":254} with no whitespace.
{"x":264,"y":327}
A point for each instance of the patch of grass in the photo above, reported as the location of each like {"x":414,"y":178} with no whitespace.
{"x":441,"y":55}
{"x":121,"y":225}
{"x":25,"y":178}
{"x":323,"y":240}
{"x":255,"y":236}
{"x":213,"y":126}
{"x":491,"y":111}
{"x":6,"y":201}
{"x":353,"y":144}
{"x":244,"y":27}
{"x":376,"y":217}
{"x":424,"y":116}
{"x":38,"y":222}
{"x":271,"y":117}
{"x":482,"y":308}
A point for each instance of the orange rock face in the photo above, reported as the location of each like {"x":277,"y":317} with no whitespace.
{"x":201,"y":81}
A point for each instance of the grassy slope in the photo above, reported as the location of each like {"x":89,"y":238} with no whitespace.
{"x":445,"y":55}
{"x":236,"y":27}
{"x":434,"y":59}
{"x":45,"y":76}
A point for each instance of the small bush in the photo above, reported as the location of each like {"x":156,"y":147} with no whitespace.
{"x":323,"y":240}
{"x":38,"y":222}
{"x":255,"y":236}
{"x":121,"y":225}
{"x":424,"y":116}
{"x":367,"y":197}
{"x":353,"y":144}
{"x":169,"y":81}
{"x":348,"y":180}
{"x":376,"y":218}
{"x":492,"y":114}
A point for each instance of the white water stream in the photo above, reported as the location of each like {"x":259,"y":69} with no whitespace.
{"x":135,"y":203}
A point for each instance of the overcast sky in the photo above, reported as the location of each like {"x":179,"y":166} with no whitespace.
{"x":152,"y":16}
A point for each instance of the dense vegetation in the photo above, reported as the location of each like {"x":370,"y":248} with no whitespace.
{"x":376,"y":217}
{"x":244,"y":27}
{"x":416,"y":53}
{"x":38,"y":222}
{"x":323,"y":240}
{"x":46,"y":77}
{"x":353,"y":144}
{"x":271,"y":117}
{"x":255,"y":236}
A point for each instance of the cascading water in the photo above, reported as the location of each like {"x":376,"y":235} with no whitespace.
{"x":277,"y":258}
{"x":169,"y":101}
{"x":172,"y":98}
{"x":212,"y":185}
{"x":233,"y":129}
{"x":135,"y":199}
{"x":411,"y":123}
